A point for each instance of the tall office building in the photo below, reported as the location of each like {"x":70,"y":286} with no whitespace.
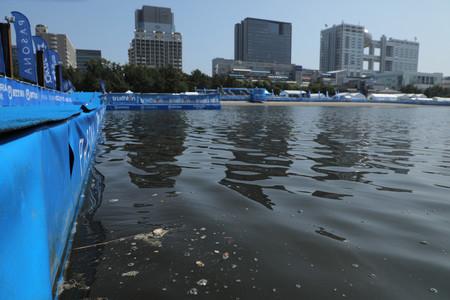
{"x":155,"y":43}
{"x":342,"y":48}
{"x":351,"y":48}
{"x":61,"y":44}
{"x":266,"y":41}
{"x":392,"y":55}
{"x":84,"y":56}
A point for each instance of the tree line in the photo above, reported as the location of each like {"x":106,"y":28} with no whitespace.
{"x":141,"y":79}
{"x":434,"y":91}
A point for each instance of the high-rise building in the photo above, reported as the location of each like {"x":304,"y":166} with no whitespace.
{"x":266,"y":41}
{"x":342,"y":48}
{"x":61,"y":44}
{"x":151,"y":18}
{"x":84,"y":56}
{"x":351,"y":48}
{"x":391,"y":55}
{"x":155,"y":43}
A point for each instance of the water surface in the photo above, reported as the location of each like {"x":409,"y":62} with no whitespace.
{"x":267,"y":203}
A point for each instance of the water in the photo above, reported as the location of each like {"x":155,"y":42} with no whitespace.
{"x":268,"y":203}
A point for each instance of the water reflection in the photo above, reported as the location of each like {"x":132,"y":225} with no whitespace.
{"x":270,"y":203}
{"x":89,"y":232}
{"x":166,"y":133}
{"x":351,"y":147}
{"x":260,"y":149}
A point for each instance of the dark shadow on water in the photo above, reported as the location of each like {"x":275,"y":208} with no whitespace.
{"x":260,"y":148}
{"x":154,"y":140}
{"x":81,"y":275}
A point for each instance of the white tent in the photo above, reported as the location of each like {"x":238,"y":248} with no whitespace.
{"x":383,"y":97}
{"x":293,"y":94}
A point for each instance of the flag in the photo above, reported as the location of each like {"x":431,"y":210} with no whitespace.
{"x":25,"y":51}
{"x":2,"y":58}
{"x":59,"y":74}
{"x":53,"y":61}
{"x":103,"y":86}
{"x":67,"y":86}
{"x":41,"y":45}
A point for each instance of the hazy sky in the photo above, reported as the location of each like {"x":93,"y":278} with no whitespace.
{"x":208,"y":25}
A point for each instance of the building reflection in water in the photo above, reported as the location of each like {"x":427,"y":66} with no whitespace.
{"x":158,"y":140}
{"x":349,"y":148}
{"x":260,"y":148}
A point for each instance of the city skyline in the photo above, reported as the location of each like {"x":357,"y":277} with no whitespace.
{"x":112,"y":29}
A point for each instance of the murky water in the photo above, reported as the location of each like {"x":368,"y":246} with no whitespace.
{"x":268,"y":203}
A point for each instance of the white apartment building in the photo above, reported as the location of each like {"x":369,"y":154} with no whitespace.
{"x":61,"y":44}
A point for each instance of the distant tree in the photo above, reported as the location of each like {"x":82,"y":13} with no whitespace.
{"x":410,"y":89}
{"x":199,"y":80}
{"x":437,"y":91}
{"x":143,"y":79}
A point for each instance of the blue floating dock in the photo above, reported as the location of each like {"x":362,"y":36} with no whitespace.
{"x":47,"y":142}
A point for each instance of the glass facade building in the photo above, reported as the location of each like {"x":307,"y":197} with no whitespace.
{"x":84,"y":56}
{"x":155,"y":43}
{"x":258,"y":40}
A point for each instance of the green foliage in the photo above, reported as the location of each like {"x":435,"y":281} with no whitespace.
{"x":320,"y":87}
{"x":434,"y":91}
{"x":141,"y":79}
{"x":410,"y":89}
{"x":437,"y":91}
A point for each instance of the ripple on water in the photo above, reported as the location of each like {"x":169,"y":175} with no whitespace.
{"x":291,"y":202}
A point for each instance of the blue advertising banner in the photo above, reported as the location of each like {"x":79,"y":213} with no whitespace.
{"x":41,"y":45}
{"x":14,"y":93}
{"x":25,"y":51}
{"x":2,"y":58}
{"x":40,"y":201}
{"x":66,"y":85}
{"x":53,"y":61}
{"x":123,"y":101}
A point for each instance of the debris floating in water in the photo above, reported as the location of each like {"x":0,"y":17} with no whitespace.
{"x":153,"y":237}
{"x":193,"y":291}
{"x":434,"y":291}
{"x":159,"y":232}
{"x":200,"y":264}
{"x":113,"y":200}
{"x":225,"y":255}
{"x":202,"y":282}
{"x":130,"y":274}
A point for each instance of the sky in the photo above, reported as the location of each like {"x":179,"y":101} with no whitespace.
{"x":207,"y":26}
